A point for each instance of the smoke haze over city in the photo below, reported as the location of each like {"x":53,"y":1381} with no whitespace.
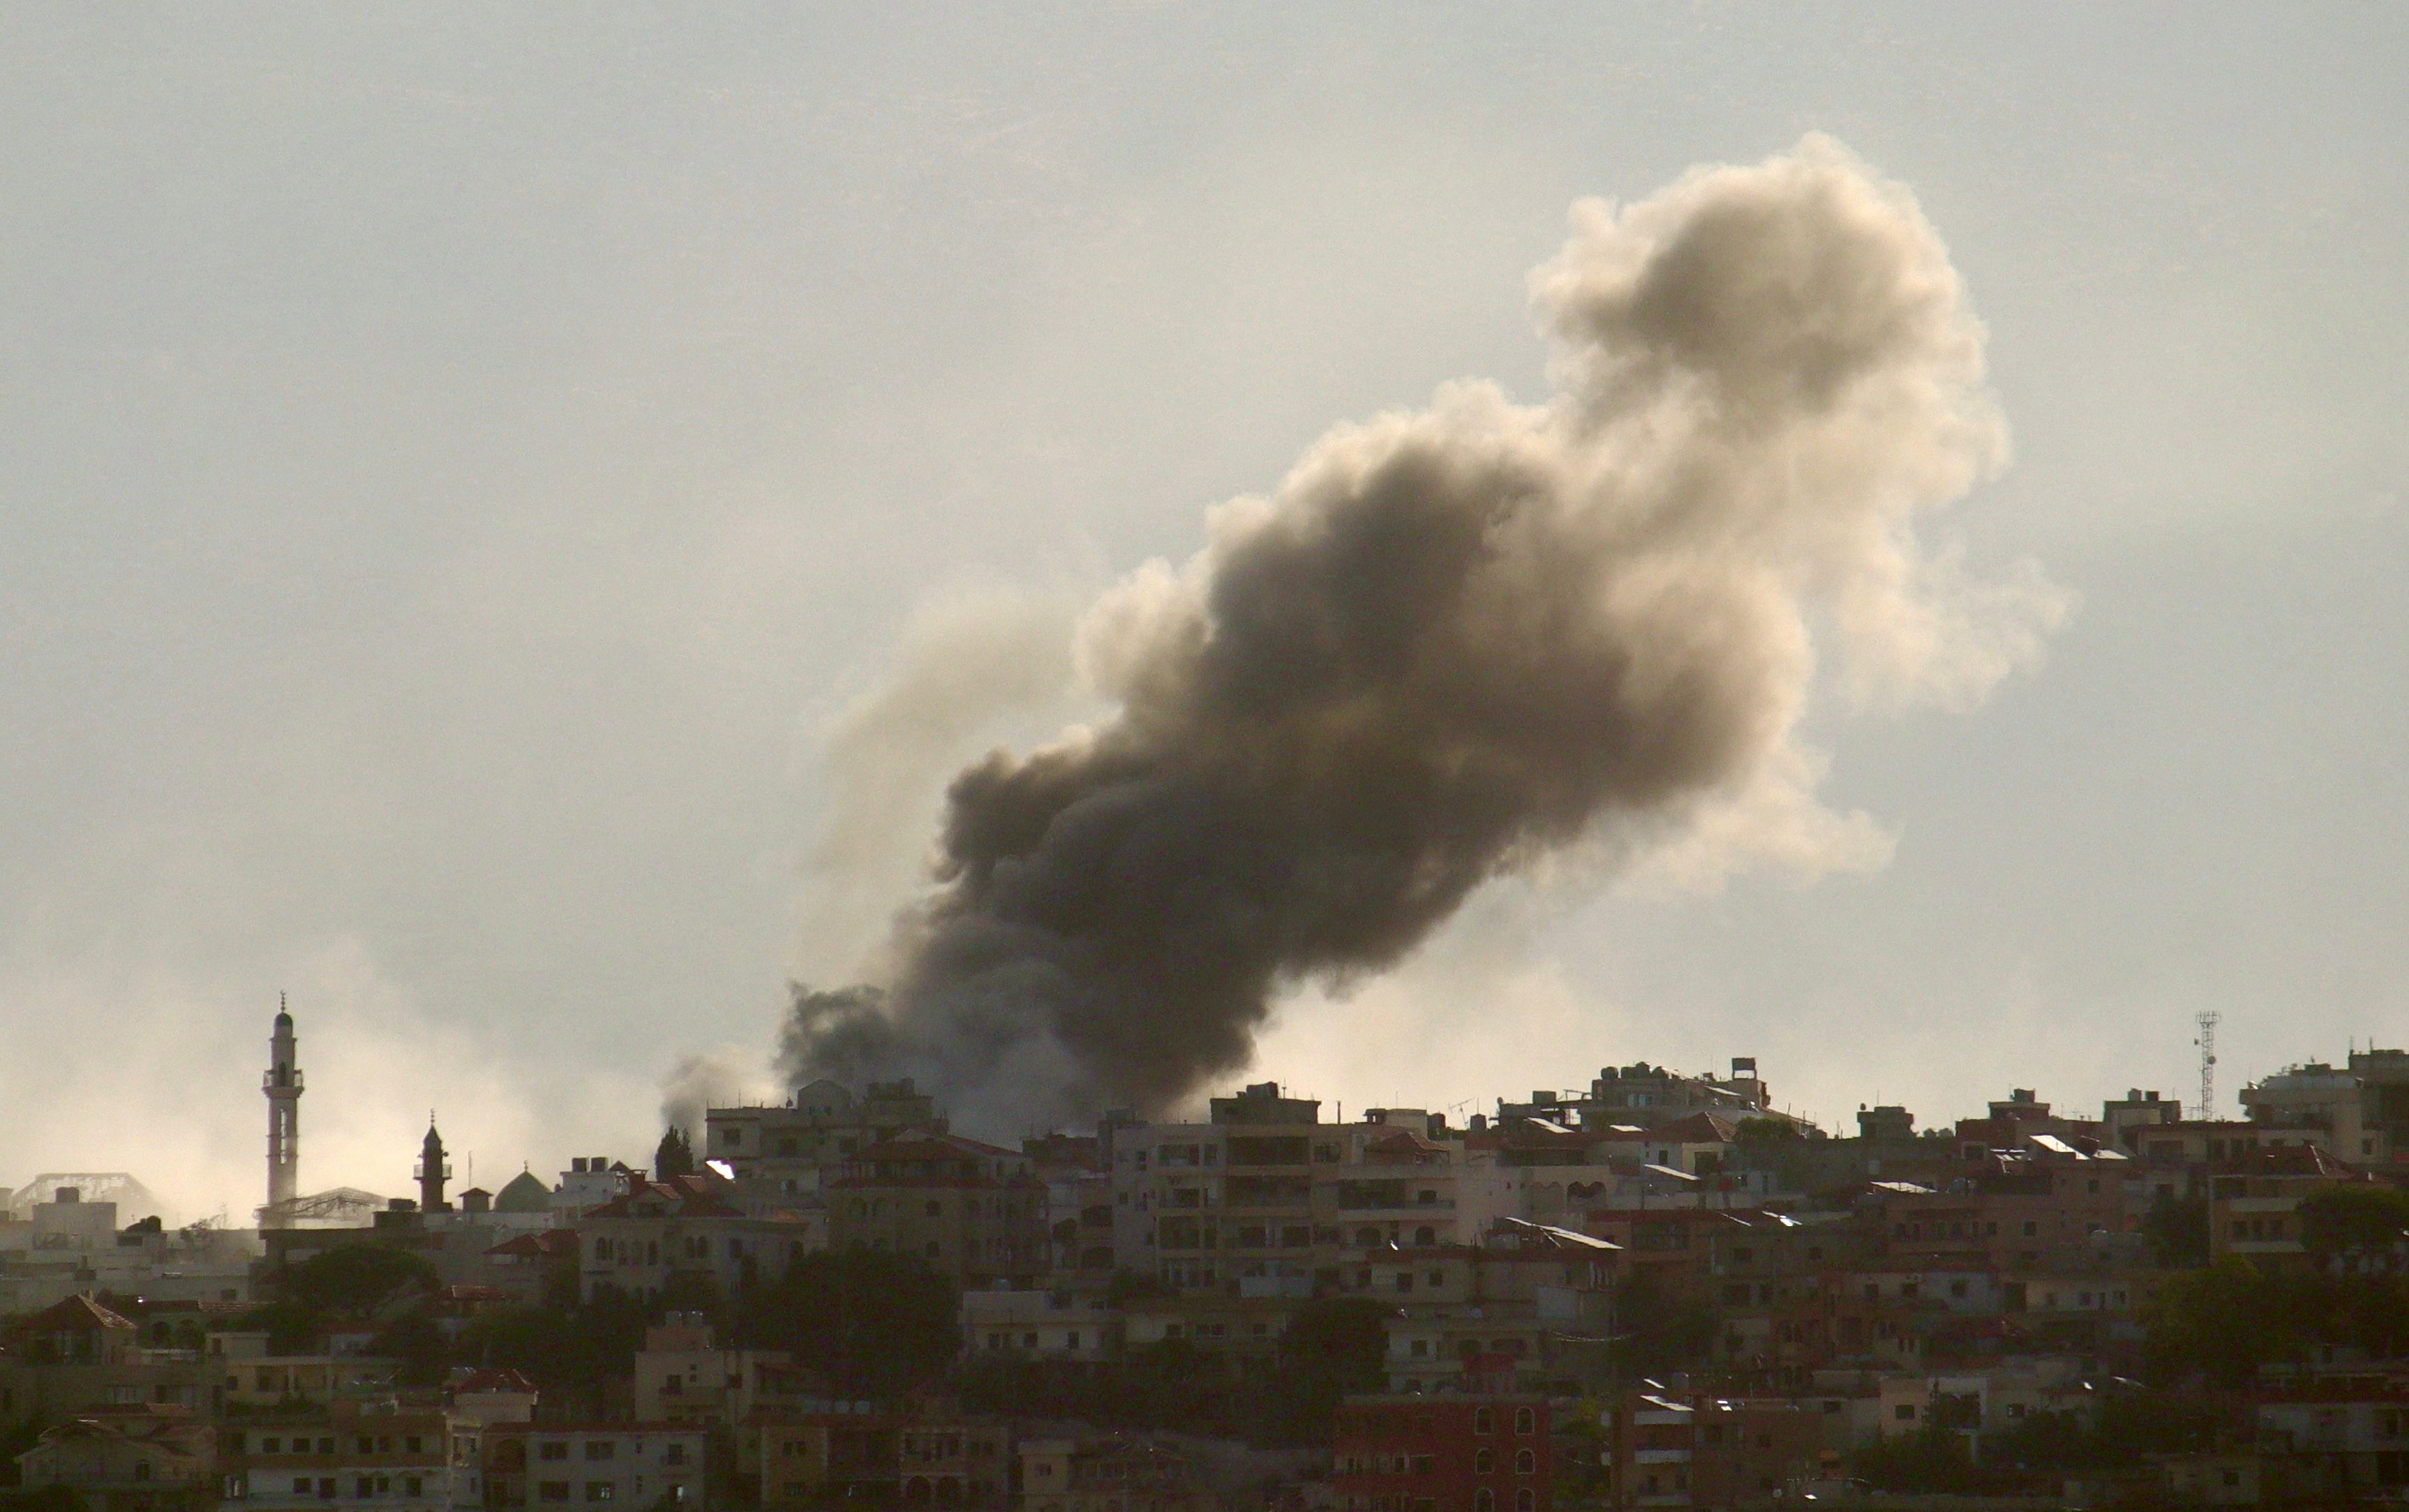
{"x":514,"y":523}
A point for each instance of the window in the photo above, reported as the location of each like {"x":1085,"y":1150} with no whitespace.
{"x":674,"y":1385}
{"x":673,"y":1454}
{"x":1904,"y":1412}
{"x":363,"y":1489}
{"x":300,"y":1485}
{"x":552,"y":1448}
{"x":414,"y":1444}
{"x":326,"y":1487}
{"x":601,"y":1448}
{"x":1525,"y":1420}
{"x":1483,"y":1420}
{"x":1526,"y":1463}
{"x":1484,"y":1500}
{"x":1484,"y":1463}
{"x":599,"y":1491}
{"x":552,"y":1491}
{"x":1526,"y":1501}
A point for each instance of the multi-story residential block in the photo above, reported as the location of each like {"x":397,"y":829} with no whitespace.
{"x":2254,"y":1201}
{"x":1524,"y":1309}
{"x":2361,"y":1106}
{"x":636,"y":1466}
{"x":246,"y":1375}
{"x":2328,"y":1442}
{"x":1641,"y":1096}
{"x":681,"y":1376}
{"x":831,"y":1453}
{"x":1694,"y":1449}
{"x":1041,"y":1325}
{"x":1112,"y":1475}
{"x":1267,"y":1201}
{"x":1443,"y":1454}
{"x":1993,"y":1398}
{"x":371,"y":1454}
{"x":2053,"y":1209}
{"x":125,"y":1460}
{"x":791,"y":1150}
{"x":638,"y":1244}
{"x":954,"y":1462}
{"x":974,"y":1213}
{"x":77,"y":1354}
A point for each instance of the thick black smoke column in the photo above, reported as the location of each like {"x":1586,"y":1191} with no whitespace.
{"x":1456,"y":639}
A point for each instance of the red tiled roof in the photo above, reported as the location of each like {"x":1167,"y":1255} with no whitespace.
{"x":79,"y":1314}
{"x":494,"y":1380}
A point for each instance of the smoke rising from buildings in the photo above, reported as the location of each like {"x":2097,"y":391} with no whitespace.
{"x":1455,"y":642}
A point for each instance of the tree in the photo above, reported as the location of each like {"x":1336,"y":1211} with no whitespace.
{"x":1657,"y":1329}
{"x":673,"y":1156}
{"x":418,"y":1343}
{"x":2176,"y":1231}
{"x":2342,"y":1220}
{"x":873,"y":1323}
{"x":1333,"y":1347}
{"x":355,"y":1278}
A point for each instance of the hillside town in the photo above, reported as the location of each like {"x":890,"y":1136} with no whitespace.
{"x":1657,"y":1289}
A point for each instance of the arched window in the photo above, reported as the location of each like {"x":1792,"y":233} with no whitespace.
{"x":1484,"y":1500}
{"x":1484,"y":1463}
{"x":1485,"y":1420}
{"x":1526,"y":1463}
{"x":1525,"y":1420}
{"x":1526,"y":1501}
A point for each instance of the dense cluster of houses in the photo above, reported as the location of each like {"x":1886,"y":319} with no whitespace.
{"x":1802,"y":1293}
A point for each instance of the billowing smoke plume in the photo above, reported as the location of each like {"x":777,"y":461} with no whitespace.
{"x":1454,"y":641}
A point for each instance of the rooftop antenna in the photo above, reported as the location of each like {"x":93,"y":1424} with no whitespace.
{"x":2208,"y":1020}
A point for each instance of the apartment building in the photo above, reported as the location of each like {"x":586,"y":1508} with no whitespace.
{"x":2361,"y":1106}
{"x":1524,"y":1309}
{"x":1265,"y":1201}
{"x":1694,"y":1449}
{"x":2332,"y":1440}
{"x":681,"y":1376}
{"x":125,"y":1460}
{"x":78,"y":1355}
{"x":1110,"y":1474}
{"x":1052,"y":1324}
{"x":246,"y":1375}
{"x":2046,"y":1211}
{"x":2254,"y":1201}
{"x":638,"y":1244}
{"x":376,"y":1455}
{"x":954,"y":1462}
{"x":792,"y":1149}
{"x":637,"y":1465}
{"x":831,"y":1453}
{"x":975,"y":1213}
{"x":1641,"y":1096}
{"x":1396,"y":1453}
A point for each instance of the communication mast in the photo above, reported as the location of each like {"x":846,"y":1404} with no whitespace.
{"x":2207,"y":1043}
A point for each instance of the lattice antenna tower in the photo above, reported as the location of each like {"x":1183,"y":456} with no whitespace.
{"x":2207,"y":1043}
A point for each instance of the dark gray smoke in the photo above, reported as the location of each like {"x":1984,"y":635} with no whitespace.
{"x":1454,"y":641}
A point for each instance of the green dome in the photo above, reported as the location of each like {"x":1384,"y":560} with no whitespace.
{"x":526,"y":1193}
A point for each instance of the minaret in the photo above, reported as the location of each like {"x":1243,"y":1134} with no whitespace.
{"x":432,"y":1172}
{"x":282,"y":1086}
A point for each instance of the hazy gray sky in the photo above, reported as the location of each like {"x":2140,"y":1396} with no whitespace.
{"x":457,"y":463}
